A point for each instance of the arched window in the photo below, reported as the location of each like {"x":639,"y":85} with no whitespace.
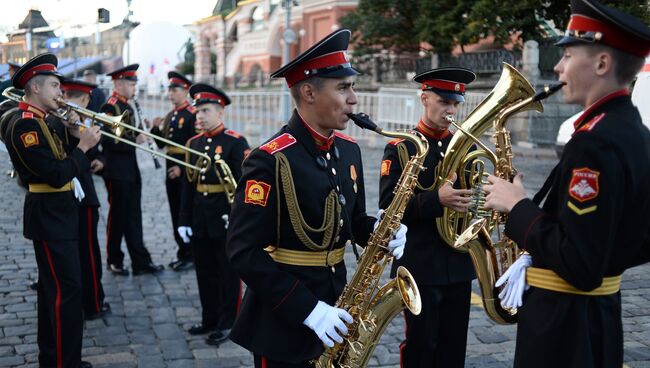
{"x":257,"y":18}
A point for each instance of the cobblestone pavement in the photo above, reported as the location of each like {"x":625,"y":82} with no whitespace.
{"x":150,"y":314}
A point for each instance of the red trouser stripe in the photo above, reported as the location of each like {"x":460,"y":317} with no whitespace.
{"x":57,"y":309}
{"x":92,"y":257}
{"x":239,"y":296}
{"x":403,"y":344}
{"x":108,"y":223}
{"x":263,"y":362}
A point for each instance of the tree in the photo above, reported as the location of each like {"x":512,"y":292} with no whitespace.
{"x":444,"y":24}
{"x":383,"y":25}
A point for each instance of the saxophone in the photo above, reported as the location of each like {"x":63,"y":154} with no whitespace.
{"x":371,"y":307}
{"x":491,"y":259}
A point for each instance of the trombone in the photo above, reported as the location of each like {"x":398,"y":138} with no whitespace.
{"x":119,"y":125}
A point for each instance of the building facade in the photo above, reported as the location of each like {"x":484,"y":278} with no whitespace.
{"x":247,"y":38}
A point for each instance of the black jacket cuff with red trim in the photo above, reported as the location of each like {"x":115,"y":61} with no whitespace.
{"x":296,"y":305}
{"x":520,"y":221}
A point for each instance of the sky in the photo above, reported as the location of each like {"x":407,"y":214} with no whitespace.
{"x":78,"y":17}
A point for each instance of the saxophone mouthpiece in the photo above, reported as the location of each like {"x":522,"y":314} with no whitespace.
{"x":548,"y":91}
{"x":363,"y":121}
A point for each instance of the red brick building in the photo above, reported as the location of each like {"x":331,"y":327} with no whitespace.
{"x":248,"y":40}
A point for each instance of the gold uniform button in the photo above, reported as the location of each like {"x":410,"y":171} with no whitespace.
{"x":209,"y":140}
{"x":331,"y":259}
{"x":203,"y":177}
{"x":171,"y":129}
{"x":334,"y":171}
{"x":205,"y":194}
{"x":439,"y":143}
{"x":328,"y":156}
{"x":207,"y":148}
{"x":341,"y":223}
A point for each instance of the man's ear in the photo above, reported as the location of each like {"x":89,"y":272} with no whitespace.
{"x":424,"y":98}
{"x":307,"y":93}
{"x":604,"y":63}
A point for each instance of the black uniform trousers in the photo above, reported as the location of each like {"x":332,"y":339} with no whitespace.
{"x":91,"y":260}
{"x":438,"y":336}
{"x":264,"y":362}
{"x":219,"y":285}
{"x":174,"y":189}
{"x":125,"y":219}
{"x":60,"y":321}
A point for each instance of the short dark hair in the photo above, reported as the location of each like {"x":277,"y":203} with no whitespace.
{"x":626,"y":66}
{"x":36,"y":80}
{"x":316,"y":82}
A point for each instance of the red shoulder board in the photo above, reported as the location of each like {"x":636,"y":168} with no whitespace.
{"x":396,"y":141}
{"x":112,"y":101}
{"x":279,"y":143}
{"x":343,"y":136}
{"x":588,"y":126}
{"x":191,"y":109}
{"x":27,"y":115}
{"x":232,"y":133}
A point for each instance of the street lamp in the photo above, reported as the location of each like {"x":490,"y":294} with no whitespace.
{"x":289,"y":37}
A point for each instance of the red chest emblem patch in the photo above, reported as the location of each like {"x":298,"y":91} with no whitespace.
{"x":584,"y":184}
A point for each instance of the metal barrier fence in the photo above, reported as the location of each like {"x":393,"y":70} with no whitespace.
{"x":258,"y":115}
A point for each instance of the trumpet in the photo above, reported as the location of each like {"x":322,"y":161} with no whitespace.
{"x":118,"y":125}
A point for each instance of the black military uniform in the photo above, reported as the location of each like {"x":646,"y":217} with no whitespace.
{"x":438,"y":335}
{"x":594,"y":224}
{"x":90,"y":256}
{"x":124,"y":186}
{"x":50,"y":221}
{"x":299,"y":202}
{"x":205,"y":208}
{"x":13,"y":67}
{"x":179,"y":128}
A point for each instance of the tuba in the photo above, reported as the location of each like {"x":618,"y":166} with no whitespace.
{"x":490,"y":258}
{"x":371,"y":307}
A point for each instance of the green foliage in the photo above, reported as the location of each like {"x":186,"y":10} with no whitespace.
{"x":383,"y":25}
{"x":444,"y":24}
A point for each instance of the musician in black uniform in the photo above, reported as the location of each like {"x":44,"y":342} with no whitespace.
{"x":438,"y":335}
{"x":205,"y":209}
{"x":177,"y":126}
{"x":594,"y":223}
{"x":123,"y":183}
{"x":13,"y":67}
{"x":78,"y":93}
{"x":300,"y":201}
{"x":51,"y":210}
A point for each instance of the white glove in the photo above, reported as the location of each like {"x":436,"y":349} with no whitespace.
{"x":328,"y":322}
{"x":185,"y":232}
{"x":78,"y":191}
{"x":515,"y":282}
{"x":396,"y":245}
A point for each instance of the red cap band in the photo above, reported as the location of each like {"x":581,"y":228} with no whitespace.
{"x":444,"y":85}
{"x":611,"y":35}
{"x":303,"y":71}
{"x":76,"y":87}
{"x":210,"y":96}
{"x":179,"y":82}
{"x":124,"y":74}
{"x":29,"y":74}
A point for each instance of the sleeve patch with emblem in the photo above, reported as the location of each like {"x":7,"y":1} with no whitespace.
{"x":584,"y":184}
{"x":257,"y":192}
{"x":385,"y":167}
{"x":29,"y":139}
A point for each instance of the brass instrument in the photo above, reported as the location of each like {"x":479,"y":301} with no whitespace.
{"x":491,"y":259}
{"x":224,"y":174}
{"x":140,"y":117}
{"x":470,"y":167}
{"x":118,"y":125}
{"x":371,"y":307}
